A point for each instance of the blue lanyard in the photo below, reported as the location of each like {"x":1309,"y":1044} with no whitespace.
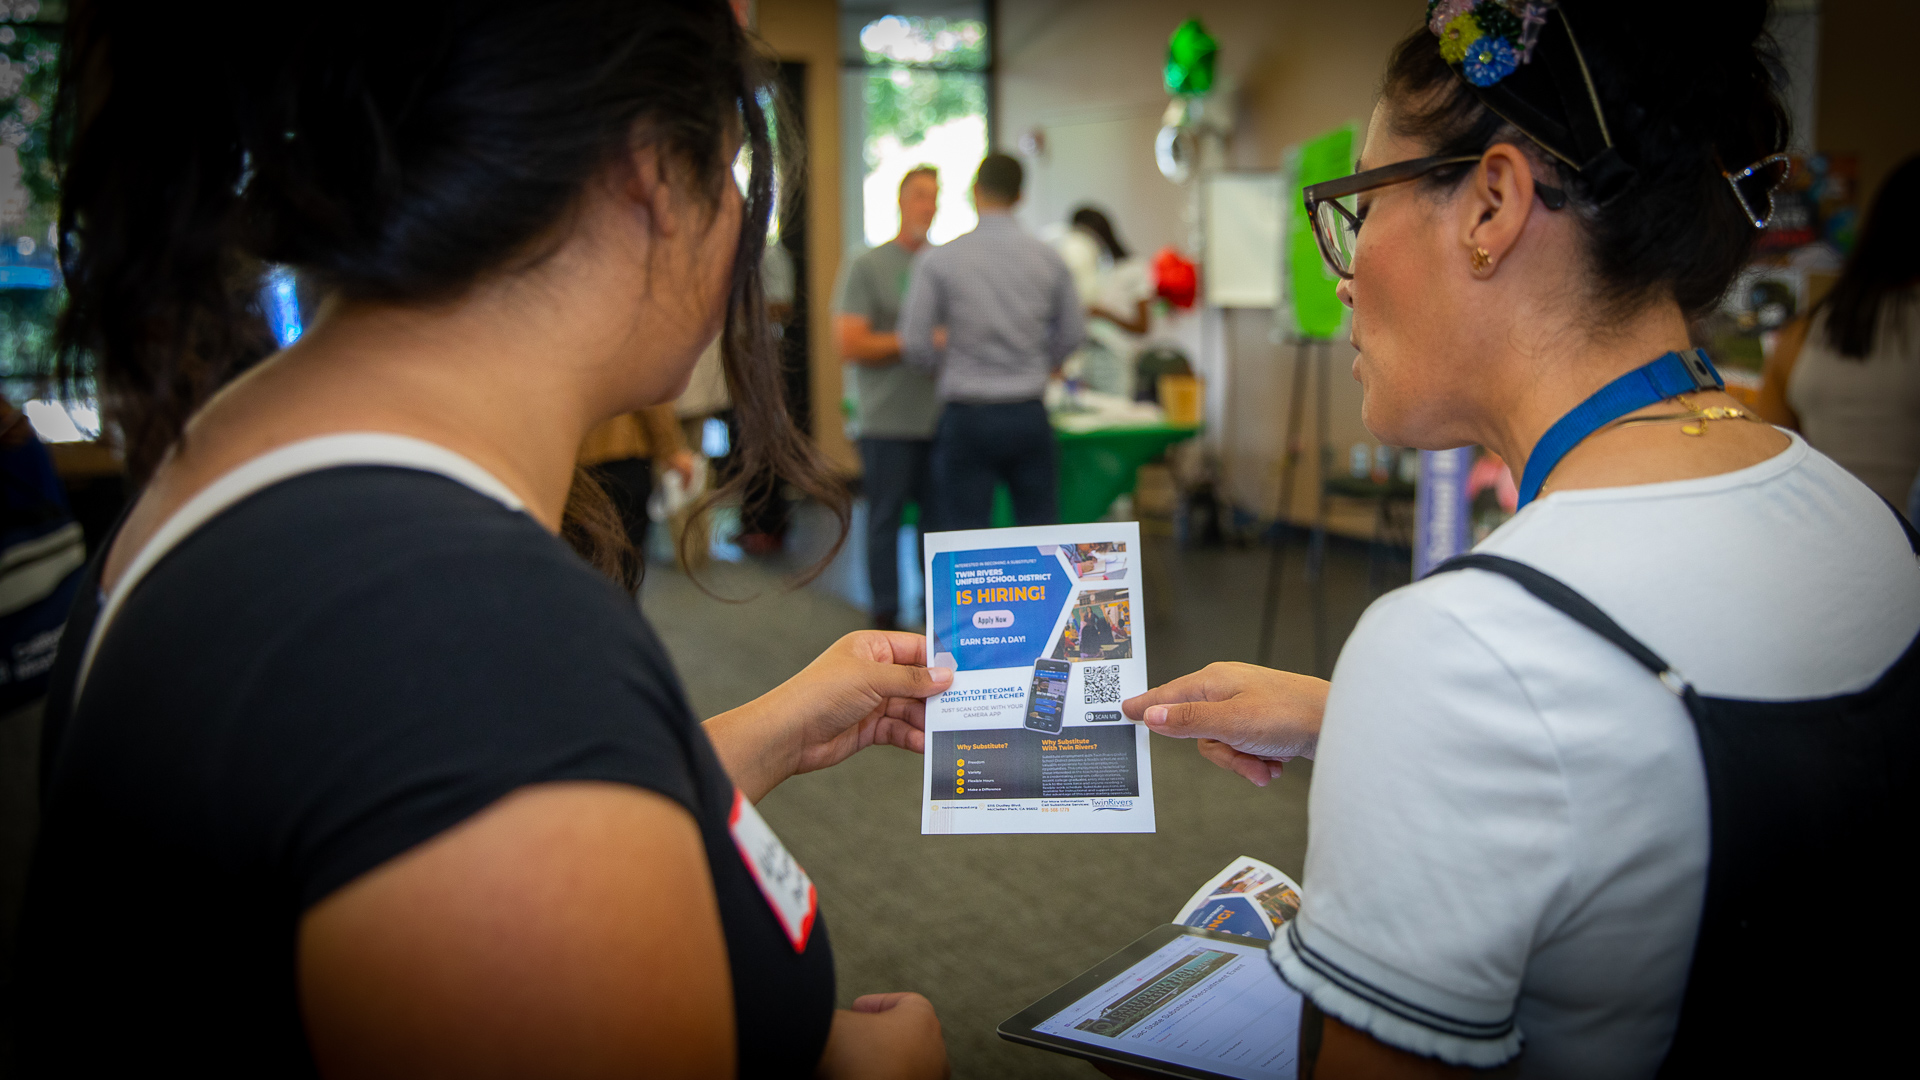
{"x":1673,"y":374}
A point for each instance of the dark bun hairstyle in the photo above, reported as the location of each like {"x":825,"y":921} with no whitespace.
{"x":398,"y":160}
{"x":1688,"y":88}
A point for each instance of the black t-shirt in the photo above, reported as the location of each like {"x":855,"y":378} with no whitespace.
{"x":327,"y":674}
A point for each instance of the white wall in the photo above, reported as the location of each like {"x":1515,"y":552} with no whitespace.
{"x":1085,"y":75}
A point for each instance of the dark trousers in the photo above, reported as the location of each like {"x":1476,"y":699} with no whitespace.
{"x":629,"y":482}
{"x":897,"y":472}
{"x":978,"y":446}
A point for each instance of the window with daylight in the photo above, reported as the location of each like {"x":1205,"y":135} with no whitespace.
{"x":30,"y":292}
{"x":915,"y":92}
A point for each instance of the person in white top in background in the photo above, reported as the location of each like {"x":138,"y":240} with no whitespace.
{"x":1115,"y":287}
{"x":1508,"y":824}
{"x":1848,"y":376}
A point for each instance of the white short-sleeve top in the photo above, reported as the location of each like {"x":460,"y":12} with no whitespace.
{"x":1508,"y":824}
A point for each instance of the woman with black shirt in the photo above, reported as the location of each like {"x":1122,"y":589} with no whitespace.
{"x":352,"y":767}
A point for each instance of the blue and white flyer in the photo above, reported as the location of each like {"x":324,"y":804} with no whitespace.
{"x":1249,"y":898}
{"x":1044,"y":630}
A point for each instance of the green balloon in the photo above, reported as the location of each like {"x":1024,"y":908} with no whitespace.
{"x":1190,"y":54}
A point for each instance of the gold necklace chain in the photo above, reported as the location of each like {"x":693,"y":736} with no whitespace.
{"x":1696,"y":422}
{"x":1696,"y":416}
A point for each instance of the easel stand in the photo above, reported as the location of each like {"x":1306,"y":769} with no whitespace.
{"x":1316,"y":351}
{"x":1385,"y":493}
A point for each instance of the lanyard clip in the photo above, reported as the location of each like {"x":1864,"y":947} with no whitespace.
{"x":1704,"y":377}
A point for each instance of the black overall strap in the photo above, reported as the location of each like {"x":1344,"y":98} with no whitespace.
{"x":1913,"y":536}
{"x":1814,"y":798}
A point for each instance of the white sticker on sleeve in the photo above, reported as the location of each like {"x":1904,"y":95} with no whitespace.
{"x":788,"y":889}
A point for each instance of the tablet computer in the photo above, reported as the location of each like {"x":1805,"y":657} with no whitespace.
{"x":1178,"y":1002}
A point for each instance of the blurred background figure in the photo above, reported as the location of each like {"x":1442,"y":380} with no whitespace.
{"x":1115,"y":287}
{"x":622,"y":452}
{"x":764,"y":510}
{"x":778,"y":285}
{"x":894,"y":407}
{"x":1848,"y":376}
{"x":1011,"y":315}
{"x":42,"y":552}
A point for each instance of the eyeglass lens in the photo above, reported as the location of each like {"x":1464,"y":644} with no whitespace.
{"x":1337,"y":232}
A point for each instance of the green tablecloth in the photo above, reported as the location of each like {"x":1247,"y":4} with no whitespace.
{"x":1097,"y":467}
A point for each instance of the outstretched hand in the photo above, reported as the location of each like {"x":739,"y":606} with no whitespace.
{"x":868,"y":688}
{"x":1250,"y":720}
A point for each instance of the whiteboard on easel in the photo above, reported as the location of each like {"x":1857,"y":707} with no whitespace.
{"x":1244,"y":227}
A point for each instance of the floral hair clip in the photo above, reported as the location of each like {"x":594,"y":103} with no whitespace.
{"x":1487,"y":39}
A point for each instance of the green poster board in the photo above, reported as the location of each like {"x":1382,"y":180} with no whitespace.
{"x":1317,"y":312}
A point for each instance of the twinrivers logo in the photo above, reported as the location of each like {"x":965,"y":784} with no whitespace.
{"x":1113,"y":804}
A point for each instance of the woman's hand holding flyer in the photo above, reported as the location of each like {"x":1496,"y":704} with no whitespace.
{"x":1250,"y":720}
{"x":865,"y":690}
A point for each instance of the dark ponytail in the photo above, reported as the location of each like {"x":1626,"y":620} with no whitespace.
{"x":1095,"y":222}
{"x":1685,"y":86}
{"x":159,"y":291}
{"x":397,"y":163}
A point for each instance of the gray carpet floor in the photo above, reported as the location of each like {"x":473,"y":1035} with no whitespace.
{"x":985,"y":925}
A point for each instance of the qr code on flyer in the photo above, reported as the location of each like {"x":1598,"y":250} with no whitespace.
{"x":1102,"y":684}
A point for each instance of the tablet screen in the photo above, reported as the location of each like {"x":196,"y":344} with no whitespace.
{"x":1204,"y":1003}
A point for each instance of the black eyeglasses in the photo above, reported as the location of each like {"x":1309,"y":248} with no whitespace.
{"x":1754,"y":186}
{"x":1336,"y":225}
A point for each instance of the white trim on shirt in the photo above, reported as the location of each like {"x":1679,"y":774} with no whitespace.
{"x":270,"y":468}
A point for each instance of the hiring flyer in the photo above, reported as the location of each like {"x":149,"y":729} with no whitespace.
{"x":1044,"y":630}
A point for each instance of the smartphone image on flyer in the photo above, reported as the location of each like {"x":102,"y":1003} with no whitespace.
{"x":1044,"y":628}
{"x":1048,"y":695}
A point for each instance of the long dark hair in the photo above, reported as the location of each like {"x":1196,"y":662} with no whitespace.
{"x":1702,"y":90}
{"x":1095,"y":222}
{"x":398,"y":161}
{"x":1886,"y":259}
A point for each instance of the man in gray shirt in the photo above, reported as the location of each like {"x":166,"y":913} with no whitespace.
{"x":1010,"y":315}
{"x":894,"y":407}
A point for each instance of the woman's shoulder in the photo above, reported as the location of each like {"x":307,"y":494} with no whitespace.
{"x":358,"y":522}
{"x":1788,"y":579}
{"x":397,"y":576}
{"x":1473,"y":632}
{"x":388,"y":651}
{"x":1463,"y":659}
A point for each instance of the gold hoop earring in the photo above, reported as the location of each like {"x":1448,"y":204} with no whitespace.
{"x":1482,"y":258}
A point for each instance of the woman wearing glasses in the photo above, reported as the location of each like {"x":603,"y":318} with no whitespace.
{"x":1567,"y":796}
